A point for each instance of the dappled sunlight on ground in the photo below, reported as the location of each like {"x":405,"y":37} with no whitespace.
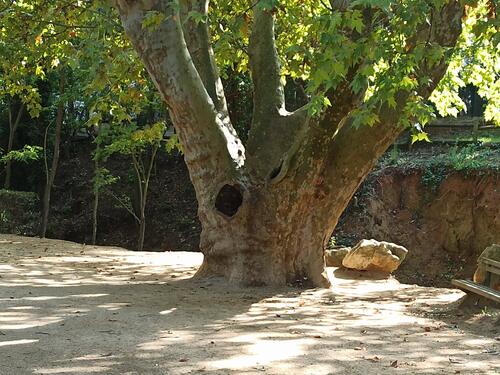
{"x":71,"y":309}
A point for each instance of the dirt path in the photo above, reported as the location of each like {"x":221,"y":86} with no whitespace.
{"x":67,"y":308}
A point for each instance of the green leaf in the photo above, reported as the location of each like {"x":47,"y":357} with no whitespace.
{"x":418,"y":137}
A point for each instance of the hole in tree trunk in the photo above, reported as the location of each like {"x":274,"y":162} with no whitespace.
{"x":229,"y":200}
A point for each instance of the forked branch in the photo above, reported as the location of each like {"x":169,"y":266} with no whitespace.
{"x":351,"y":146}
{"x":207,"y":136}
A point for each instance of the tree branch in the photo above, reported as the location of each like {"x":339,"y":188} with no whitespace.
{"x":273,"y":129}
{"x":268,"y":95}
{"x":211,"y":147}
{"x":197,"y":39}
{"x":276,"y":134}
{"x":351,"y":152}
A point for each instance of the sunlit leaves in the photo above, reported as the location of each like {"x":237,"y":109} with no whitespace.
{"x":364,"y":117}
{"x":103,"y":178}
{"x":26,"y":154}
{"x":476,"y":61}
{"x":131,"y":140}
{"x":173,"y":143}
{"x":377,"y":45}
{"x":418,"y":137}
{"x":372,"y":47}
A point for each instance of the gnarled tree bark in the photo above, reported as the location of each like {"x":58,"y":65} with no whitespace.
{"x":267,"y":211}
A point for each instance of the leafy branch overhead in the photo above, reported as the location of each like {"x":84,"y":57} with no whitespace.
{"x":26,"y":154}
{"x":132,"y":140}
{"x":375,"y":47}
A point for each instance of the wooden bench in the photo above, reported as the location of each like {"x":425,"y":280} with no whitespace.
{"x":491,"y":281}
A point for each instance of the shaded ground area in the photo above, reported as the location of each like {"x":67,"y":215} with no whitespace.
{"x":67,"y":308}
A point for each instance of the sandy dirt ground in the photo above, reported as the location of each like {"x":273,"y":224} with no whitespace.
{"x":67,"y":308}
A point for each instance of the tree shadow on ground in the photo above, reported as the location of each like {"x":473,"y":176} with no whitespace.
{"x":69,"y":309}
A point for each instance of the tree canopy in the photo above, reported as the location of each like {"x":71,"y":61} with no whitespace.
{"x":375,"y":45}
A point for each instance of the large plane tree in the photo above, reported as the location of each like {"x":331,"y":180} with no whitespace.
{"x":269,"y":206}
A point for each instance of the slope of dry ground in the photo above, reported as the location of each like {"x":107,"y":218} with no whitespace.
{"x":67,"y":308}
{"x":445,"y":227}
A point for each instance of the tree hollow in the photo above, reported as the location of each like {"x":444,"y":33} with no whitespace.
{"x":229,"y":200}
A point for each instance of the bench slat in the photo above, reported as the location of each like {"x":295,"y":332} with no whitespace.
{"x":491,"y":262}
{"x":492,"y":269}
{"x":478,"y":289}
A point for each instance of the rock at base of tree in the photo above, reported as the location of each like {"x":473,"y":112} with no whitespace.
{"x":372,"y":255}
{"x":491,"y":252}
{"x":334,"y":257}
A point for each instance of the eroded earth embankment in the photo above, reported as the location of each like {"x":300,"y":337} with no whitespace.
{"x":444,"y":220}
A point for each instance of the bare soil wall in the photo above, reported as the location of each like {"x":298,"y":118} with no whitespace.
{"x":445,"y":222}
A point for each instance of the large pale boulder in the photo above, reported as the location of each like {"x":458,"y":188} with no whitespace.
{"x":372,"y":255}
{"x":334,"y":257}
{"x":491,"y":252}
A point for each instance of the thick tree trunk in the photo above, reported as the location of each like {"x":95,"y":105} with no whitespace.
{"x":276,"y":232}
{"x":272,"y":239}
{"x":267,"y":210}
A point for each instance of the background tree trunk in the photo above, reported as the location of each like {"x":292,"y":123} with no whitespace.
{"x":95,"y":217}
{"x":97,"y":191}
{"x":13,"y":124}
{"x":51,"y":174}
